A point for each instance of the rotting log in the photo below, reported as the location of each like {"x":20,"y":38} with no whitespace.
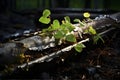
{"x":9,"y":50}
{"x":52,"y":55}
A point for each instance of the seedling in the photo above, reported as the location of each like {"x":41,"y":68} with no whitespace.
{"x":45,"y":17}
{"x":64,"y":31}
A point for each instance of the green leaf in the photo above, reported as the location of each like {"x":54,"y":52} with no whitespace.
{"x":70,"y":38}
{"x":46,"y":13}
{"x":92,"y":30}
{"x":67,"y":19}
{"x":64,"y":31}
{"x":59,"y":34}
{"x":68,"y":26}
{"x":79,"y":47}
{"x":56,"y":24}
{"x":44,"y":20}
{"x":77,"y":20}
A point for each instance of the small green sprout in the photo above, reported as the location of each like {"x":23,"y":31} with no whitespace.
{"x":79,"y":47}
{"x":67,"y":19}
{"x":45,"y":17}
{"x":55,"y":25}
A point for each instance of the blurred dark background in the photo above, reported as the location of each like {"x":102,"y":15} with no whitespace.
{"x":18,"y":5}
{"x":16,"y":16}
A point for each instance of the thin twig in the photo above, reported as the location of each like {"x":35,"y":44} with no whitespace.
{"x":52,"y":55}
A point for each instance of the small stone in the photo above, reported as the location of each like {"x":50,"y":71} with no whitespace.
{"x":91,"y":70}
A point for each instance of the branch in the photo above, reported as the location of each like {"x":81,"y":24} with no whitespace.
{"x":52,"y":55}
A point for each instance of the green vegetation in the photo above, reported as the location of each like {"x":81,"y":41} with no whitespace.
{"x":64,"y":32}
{"x":79,"y":47}
{"x":45,"y":17}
